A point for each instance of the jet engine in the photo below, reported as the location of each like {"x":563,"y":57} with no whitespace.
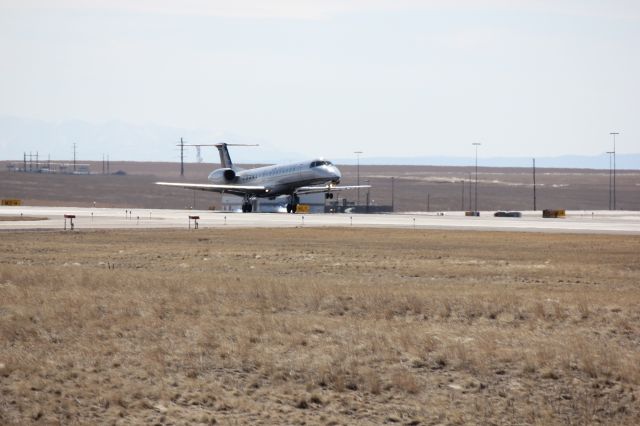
{"x":223,"y":175}
{"x":229,"y":174}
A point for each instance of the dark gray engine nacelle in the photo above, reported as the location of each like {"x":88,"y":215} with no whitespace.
{"x":229,"y":174}
{"x":223,"y":175}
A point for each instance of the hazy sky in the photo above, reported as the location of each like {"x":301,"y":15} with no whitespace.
{"x":329,"y":77}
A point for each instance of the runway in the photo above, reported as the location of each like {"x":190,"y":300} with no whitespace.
{"x":603,"y":222}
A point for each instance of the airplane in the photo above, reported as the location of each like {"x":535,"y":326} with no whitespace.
{"x":294,"y":179}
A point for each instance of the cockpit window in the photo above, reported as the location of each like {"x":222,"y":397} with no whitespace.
{"x":320,"y":163}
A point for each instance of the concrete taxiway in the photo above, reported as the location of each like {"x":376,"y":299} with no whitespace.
{"x":606,"y":222}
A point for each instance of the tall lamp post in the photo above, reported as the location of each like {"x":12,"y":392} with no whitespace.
{"x":614,"y":167}
{"x":366,"y":181}
{"x":393,"y":194}
{"x":358,"y":175}
{"x":610,"y":180}
{"x":476,"y":144}
{"x":470,"y":183}
{"x":534,"y":185}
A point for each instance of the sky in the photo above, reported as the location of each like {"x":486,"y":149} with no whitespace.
{"x":330,"y":77}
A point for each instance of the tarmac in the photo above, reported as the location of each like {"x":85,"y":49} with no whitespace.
{"x":595,"y":222}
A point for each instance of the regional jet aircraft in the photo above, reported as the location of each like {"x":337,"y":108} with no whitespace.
{"x":294,"y":179}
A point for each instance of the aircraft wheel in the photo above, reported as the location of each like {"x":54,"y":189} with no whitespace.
{"x":294,"y":208}
{"x":289,"y":208}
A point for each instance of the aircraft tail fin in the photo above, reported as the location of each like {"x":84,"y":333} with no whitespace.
{"x":225,"y":158}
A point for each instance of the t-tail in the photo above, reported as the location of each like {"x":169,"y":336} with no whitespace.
{"x":225,"y":158}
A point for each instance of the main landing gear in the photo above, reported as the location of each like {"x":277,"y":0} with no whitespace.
{"x":247,"y":207}
{"x":292,"y":205}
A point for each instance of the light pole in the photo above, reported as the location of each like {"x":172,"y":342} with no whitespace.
{"x":470,"y":180}
{"x":392,"y":194}
{"x":476,"y":144}
{"x":614,"y":167}
{"x":610,"y":179}
{"x":358,"y":176}
{"x":534,"y":184}
{"x":366,"y":181}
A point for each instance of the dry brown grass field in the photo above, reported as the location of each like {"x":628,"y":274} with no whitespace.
{"x":319,"y":326}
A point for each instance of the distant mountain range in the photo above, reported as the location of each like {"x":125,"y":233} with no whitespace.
{"x":123,"y":141}
{"x":119,"y":141}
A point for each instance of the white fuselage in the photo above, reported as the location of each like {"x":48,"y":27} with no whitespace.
{"x":280,"y":179}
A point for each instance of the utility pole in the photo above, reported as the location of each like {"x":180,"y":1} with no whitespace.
{"x":614,"y":167}
{"x":462,"y":205}
{"x":108,"y":165}
{"x":476,"y":144}
{"x":392,"y":194}
{"x":74,"y":156}
{"x":534,"y":184}
{"x":25,"y":161}
{"x":358,"y":176}
{"x":181,"y":157}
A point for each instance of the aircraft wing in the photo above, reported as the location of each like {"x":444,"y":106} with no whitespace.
{"x":231,"y":189}
{"x":327,"y":188}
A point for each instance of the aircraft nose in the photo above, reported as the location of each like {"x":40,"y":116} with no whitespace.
{"x":336,"y":174}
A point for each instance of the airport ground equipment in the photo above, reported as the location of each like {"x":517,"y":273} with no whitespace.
{"x":472,"y":213}
{"x":11,"y":202}
{"x":507,"y":214}
{"x":553,"y":214}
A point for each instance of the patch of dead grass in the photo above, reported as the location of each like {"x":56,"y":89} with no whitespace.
{"x":318,"y":326}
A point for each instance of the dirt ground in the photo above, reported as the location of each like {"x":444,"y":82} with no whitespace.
{"x":415,"y":188}
{"x":319,"y":326}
